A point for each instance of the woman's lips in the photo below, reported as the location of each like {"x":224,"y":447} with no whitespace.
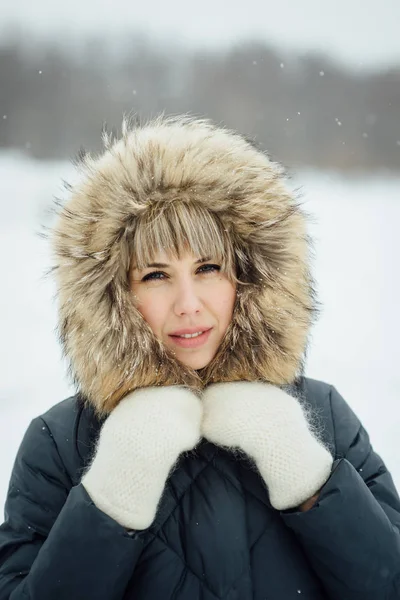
{"x":193,"y":342}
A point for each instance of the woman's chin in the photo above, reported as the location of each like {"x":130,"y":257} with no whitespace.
{"x":194,"y":362}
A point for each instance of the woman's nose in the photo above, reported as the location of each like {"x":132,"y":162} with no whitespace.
{"x":187,"y":299}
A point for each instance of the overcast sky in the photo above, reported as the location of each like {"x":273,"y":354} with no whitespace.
{"x":363,"y":33}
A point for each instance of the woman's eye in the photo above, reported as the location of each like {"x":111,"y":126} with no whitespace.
{"x":160,"y":276}
{"x":209,"y":268}
{"x":153,"y":276}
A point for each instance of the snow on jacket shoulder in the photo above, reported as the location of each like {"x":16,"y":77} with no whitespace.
{"x":215,"y":536}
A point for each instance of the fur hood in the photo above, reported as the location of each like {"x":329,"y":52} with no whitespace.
{"x":110,"y":348}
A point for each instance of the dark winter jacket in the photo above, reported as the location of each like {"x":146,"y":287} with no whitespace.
{"x":215,"y":536}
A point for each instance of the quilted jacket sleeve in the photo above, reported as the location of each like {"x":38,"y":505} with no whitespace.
{"x":54,"y":542}
{"x":351,"y":535}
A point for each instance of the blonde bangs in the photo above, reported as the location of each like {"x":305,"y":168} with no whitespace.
{"x":175,"y":228}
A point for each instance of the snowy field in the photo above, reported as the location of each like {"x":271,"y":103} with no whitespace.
{"x":355,"y":345}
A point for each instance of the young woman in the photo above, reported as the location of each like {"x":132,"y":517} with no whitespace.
{"x":196,"y":461}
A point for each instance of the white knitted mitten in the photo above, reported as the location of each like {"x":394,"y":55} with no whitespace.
{"x":270,"y":426}
{"x":138,"y":445}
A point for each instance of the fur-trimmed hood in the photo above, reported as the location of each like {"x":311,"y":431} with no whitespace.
{"x":110,"y":348}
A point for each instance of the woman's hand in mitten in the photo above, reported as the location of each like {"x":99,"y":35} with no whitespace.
{"x":271,"y":427}
{"x":138,"y":445}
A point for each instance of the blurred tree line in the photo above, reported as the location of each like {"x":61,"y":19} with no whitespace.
{"x":305,"y":110}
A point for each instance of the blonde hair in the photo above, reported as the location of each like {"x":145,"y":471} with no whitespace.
{"x":178,"y":226}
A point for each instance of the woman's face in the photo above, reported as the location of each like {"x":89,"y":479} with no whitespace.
{"x":185,"y":296}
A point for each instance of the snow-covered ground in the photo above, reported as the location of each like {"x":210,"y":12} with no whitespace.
{"x":354,"y":345}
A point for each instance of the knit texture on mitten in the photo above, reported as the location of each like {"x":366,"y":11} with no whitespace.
{"x":271,"y":427}
{"x":138,"y":445}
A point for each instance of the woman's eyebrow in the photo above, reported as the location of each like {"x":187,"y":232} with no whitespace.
{"x":157,"y":265}
{"x":165,"y":265}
